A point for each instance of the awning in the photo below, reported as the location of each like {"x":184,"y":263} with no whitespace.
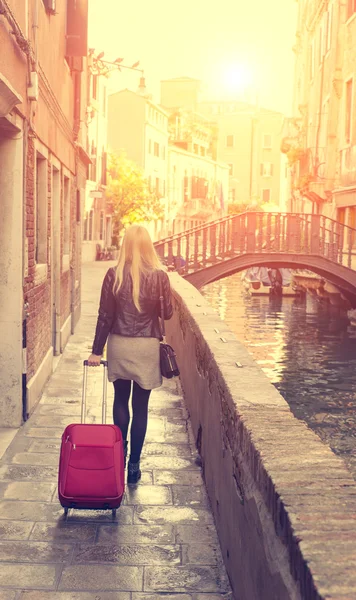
{"x":313,"y":197}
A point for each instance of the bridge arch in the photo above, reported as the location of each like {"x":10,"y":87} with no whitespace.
{"x":237,"y":242}
{"x":337,"y":274}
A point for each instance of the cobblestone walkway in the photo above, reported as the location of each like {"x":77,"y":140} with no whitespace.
{"x":163,"y":543}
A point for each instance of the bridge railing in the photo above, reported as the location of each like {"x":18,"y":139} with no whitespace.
{"x":258,"y":232}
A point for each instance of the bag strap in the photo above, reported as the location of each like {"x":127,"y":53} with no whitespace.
{"x":161,"y":302}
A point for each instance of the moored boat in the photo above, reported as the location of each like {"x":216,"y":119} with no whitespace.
{"x":265,"y":281}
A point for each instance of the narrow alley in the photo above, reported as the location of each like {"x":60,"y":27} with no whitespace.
{"x":164,"y":539}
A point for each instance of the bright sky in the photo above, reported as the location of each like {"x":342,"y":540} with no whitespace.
{"x":225,"y":43}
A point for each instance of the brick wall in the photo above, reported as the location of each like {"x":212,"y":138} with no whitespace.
{"x":37,"y":296}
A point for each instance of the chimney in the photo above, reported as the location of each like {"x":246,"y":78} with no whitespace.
{"x":142,"y":87}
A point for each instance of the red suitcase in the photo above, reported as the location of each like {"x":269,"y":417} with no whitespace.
{"x":91,"y":464}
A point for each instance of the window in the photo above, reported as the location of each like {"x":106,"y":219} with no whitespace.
{"x":321,"y":42}
{"x":41,"y":210}
{"x":348,"y":110}
{"x":324,"y":124}
{"x":66,"y":215}
{"x":85,"y":227}
{"x":78,"y":207}
{"x":231,"y":169}
{"x":351,"y":8}
{"x":104,"y":101}
{"x":266,"y":169}
{"x":267,"y":141}
{"x":266,"y":195}
{"x":341,"y":215}
{"x":91,"y":219}
{"x":101,"y":226}
{"x":95,"y":87}
{"x":352,"y":223}
{"x":50,"y":5}
{"x":311,"y":60}
{"x":328,"y":27}
{"x":229,"y":141}
{"x":157,"y":186}
{"x":156,"y":149}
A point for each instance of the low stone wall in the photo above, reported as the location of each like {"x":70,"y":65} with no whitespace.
{"x":284,"y":504}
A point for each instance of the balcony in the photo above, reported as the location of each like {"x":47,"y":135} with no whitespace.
{"x":348,"y":166}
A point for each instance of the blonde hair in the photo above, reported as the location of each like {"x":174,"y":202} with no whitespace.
{"x":137,"y":249}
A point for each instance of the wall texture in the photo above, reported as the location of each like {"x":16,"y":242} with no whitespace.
{"x":284,"y":504}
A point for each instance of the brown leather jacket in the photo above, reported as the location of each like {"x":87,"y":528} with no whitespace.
{"x":118,"y":314}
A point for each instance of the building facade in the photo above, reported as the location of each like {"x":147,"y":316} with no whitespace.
{"x":198,"y":184}
{"x":320,"y":139}
{"x":249,"y":141}
{"x":97,"y":219}
{"x":139,"y":128}
{"x":43,"y":162}
{"x":245,"y":136}
{"x":198,"y":190}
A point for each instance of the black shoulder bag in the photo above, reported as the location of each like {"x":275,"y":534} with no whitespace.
{"x":168,"y":359}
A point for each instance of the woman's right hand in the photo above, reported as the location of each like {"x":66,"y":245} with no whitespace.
{"x":94,"y":360}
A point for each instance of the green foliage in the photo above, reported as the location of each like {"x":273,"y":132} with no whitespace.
{"x":129,"y":194}
{"x":236,"y":208}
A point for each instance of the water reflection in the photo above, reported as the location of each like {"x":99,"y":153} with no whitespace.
{"x":310,"y":358}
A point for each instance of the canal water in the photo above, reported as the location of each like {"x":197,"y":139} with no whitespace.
{"x":310,"y":358}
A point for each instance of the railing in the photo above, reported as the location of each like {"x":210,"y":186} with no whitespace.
{"x":258,"y":232}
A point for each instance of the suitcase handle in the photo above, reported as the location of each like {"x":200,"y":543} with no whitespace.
{"x":84,"y":395}
{"x":102,"y":362}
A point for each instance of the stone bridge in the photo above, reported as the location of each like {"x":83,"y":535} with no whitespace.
{"x":284,"y":504}
{"x":235,"y":243}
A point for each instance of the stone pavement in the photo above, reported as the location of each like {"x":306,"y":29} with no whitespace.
{"x":163,"y":543}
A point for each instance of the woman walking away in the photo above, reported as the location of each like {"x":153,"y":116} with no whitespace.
{"x":128,"y":314}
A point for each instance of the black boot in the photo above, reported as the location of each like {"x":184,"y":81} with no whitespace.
{"x":125,"y":453}
{"x":133,"y":472}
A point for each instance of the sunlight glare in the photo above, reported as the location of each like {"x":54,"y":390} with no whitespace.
{"x":237,"y":78}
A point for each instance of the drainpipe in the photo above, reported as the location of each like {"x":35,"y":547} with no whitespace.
{"x":25,"y":312}
{"x":25,"y":315}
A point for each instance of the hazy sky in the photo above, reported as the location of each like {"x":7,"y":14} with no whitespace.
{"x":222,"y":42}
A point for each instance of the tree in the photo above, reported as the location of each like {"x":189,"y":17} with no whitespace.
{"x":129,"y":195}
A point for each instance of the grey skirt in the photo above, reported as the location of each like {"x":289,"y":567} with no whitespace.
{"x":134,"y":358}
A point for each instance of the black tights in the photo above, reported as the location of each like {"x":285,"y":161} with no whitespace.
{"x":121,"y":414}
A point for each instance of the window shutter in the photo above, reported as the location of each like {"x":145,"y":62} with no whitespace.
{"x":77,"y":28}
{"x":50,"y":6}
{"x":103,"y":168}
{"x":186,"y":184}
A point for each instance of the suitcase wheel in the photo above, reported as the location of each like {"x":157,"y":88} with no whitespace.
{"x":66,"y":511}
{"x":113,"y":513}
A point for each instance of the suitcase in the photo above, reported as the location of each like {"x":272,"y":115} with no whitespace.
{"x":91,"y":464}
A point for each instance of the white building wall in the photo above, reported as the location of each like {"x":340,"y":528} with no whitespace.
{"x":139,"y":128}
{"x":96,"y":220}
{"x":182,"y":164}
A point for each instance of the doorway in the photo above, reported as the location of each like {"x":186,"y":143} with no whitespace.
{"x":56,"y":260}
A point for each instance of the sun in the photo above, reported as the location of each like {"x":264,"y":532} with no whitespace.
{"x":237,"y":78}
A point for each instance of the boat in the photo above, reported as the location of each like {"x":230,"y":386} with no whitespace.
{"x":266,"y":281}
